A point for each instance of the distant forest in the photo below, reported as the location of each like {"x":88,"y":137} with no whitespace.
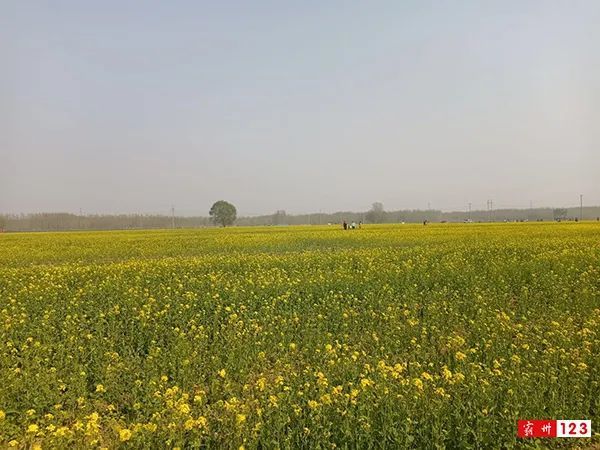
{"x":67,"y":221}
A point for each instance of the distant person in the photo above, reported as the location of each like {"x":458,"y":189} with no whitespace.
{"x":360,"y":225}
{"x":353,"y":225}
{"x":345,"y":225}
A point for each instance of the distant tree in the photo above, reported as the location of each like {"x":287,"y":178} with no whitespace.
{"x":560,"y":213}
{"x":279,"y":217}
{"x":376,"y":214}
{"x":223,"y":213}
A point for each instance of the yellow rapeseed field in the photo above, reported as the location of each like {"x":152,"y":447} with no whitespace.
{"x":398,"y":336}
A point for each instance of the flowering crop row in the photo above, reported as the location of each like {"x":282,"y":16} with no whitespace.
{"x":310,"y":337}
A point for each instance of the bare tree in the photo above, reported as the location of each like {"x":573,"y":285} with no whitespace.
{"x":376,"y":214}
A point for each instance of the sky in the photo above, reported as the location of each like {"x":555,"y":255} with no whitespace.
{"x":131,"y":107}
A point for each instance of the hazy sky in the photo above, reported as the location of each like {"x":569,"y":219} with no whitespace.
{"x":130,"y":106}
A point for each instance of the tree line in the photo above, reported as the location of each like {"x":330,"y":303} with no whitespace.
{"x":377,"y":214}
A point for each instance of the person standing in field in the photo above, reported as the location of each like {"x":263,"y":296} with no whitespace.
{"x":345,"y":225}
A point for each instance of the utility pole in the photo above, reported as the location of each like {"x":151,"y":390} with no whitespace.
{"x":173,"y":216}
{"x":580,"y":207}
{"x":531,"y":216}
{"x":79,"y":221}
{"x":469,"y":211}
{"x":490,"y":207}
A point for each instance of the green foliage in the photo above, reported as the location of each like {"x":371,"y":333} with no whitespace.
{"x":299,"y":337}
{"x":64,"y":221}
{"x":223,"y":213}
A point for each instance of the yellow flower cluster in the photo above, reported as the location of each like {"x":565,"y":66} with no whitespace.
{"x":298,"y":337}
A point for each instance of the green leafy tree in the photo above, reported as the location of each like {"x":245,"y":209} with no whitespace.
{"x":223,"y":213}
